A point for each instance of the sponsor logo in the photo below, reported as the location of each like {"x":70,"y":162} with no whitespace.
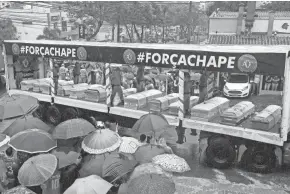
{"x":82,"y":53}
{"x":25,"y":63}
{"x":247,"y":63}
{"x":49,"y":51}
{"x":15,"y":49}
{"x":129,"y":57}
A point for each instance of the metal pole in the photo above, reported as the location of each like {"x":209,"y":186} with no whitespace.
{"x":48,"y":20}
{"x":189,"y":23}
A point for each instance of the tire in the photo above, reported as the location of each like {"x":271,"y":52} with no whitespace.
{"x":39,"y":112}
{"x":220,"y":153}
{"x":53,"y":115}
{"x":259,"y":159}
{"x":69,"y":113}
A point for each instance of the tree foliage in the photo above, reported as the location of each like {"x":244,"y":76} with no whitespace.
{"x":223,"y":6}
{"x":50,"y":34}
{"x":7,"y":30}
{"x":277,"y":6}
{"x":135,"y":16}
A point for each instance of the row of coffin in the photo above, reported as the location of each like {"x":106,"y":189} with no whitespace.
{"x":156,"y":101}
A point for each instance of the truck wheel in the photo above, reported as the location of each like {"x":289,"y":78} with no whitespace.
{"x":220,"y":153}
{"x":259,"y":159}
{"x":39,"y":112}
{"x":53,"y":115}
{"x":69,"y":113}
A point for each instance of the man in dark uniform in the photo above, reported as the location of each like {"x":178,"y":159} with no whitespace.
{"x":76,"y":72}
{"x":18,"y":73}
{"x":55,"y":73}
{"x":203,"y":86}
{"x":116,"y":80}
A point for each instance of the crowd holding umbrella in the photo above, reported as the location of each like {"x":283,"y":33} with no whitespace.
{"x":81,"y":157}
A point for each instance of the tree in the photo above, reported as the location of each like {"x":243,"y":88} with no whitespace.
{"x":223,"y":6}
{"x":7,"y":30}
{"x":277,"y":6}
{"x":93,"y":13}
{"x":50,"y":34}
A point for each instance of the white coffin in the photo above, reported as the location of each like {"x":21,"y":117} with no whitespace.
{"x":267,"y":118}
{"x":162,"y":103}
{"x":27,"y":85}
{"x":129,"y":92}
{"x":210,"y":109}
{"x":135,"y":101}
{"x":174,"y":107}
{"x":151,"y":94}
{"x":69,"y":89}
{"x":96,"y":93}
{"x":237,"y":113}
{"x":78,"y":93}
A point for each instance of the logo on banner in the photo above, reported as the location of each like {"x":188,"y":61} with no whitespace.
{"x":129,"y":57}
{"x":15,"y":49}
{"x":82,"y":53}
{"x":247,"y":63}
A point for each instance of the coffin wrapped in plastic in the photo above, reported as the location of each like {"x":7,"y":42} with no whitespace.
{"x":27,"y":85}
{"x":210,"y":109}
{"x":78,"y":91}
{"x":35,"y":86}
{"x":267,"y":118}
{"x":45,"y":85}
{"x":135,"y":101}
{"x":67,"y":89}
{"x":173,"y":108}
{"x":237,"y":113}
{"x":96,"y":93}
{"x":151,"y":94}
{"x":162,"y":103}
{"x":129,"y":91}
{"x":63,"y":84}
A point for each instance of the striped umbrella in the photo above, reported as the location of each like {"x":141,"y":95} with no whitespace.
{"x":129,"y":145}
{"x":151,"y":184}
{"x":115,"y":166}
{"x":37,"y":170}
{"x":24,"y":123}
{"x":72,"y":128}
{"x":101,"y":141}
{"x":33,"y":141}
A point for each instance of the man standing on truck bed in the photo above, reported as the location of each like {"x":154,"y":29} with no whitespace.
{"x":116,"y":80}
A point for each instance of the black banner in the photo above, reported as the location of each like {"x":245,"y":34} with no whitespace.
{"x":258,"y":63}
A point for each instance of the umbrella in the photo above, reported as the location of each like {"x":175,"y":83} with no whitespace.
{"x":90,"y":185}
{"x":144,"y":154}
{"x":72,"y":128}
{"x":171,"y":163}
{"x":65,"y":159}
{"x":92,"y":165}
{"x":116,"y":166}
{"x":19,"y":190}
{"x":168,"y":133}
{"x":151,"y":184}
{"x":4,"y":139}
{"x":23,"y":123}
{"x":16,"y":105}
{"x":37,"y":170}
{"x":33,"y":141}
{"x":129,"y":145}
{"x":148,"y":168}
{"x":149,"y":123}
{"x":101,"y":141}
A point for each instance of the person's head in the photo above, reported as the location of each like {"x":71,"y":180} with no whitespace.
{"x":62,"y":65}
{"x":9,"y":151}
{"x":143,"y":137}
{"x":55,"y":65}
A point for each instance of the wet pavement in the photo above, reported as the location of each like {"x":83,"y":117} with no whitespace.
{"x":234,"y":180}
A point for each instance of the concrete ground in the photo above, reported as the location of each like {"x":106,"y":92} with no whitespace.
{"x":228,"y":180}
